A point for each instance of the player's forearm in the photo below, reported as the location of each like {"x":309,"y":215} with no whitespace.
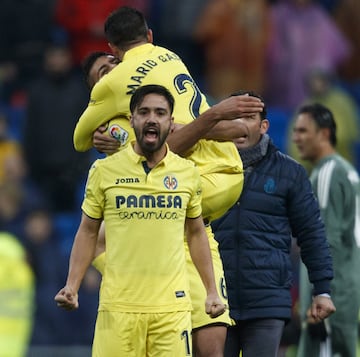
{"x":91,"y":119}
{"x":201,"y":257}
{"x":204,"y":126}
{"x":80,"y":259}
{"x":226,"y":130}
{"x":81,"y":256}
{"x":83,"y":133}
{"x":186,"y":136}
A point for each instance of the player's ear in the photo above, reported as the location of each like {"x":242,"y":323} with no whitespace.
{"x":116,"y":51}
{"x":264,"y":126}
{"x":131,"y":121}
{"x":324,"y":134}
{"x":150,"y":36}
{"x":172,"y":127}
{"x":112,"y":47}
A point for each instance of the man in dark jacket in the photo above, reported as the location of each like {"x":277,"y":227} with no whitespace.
{"x":255,"y":235}
{"x":55,"y":100}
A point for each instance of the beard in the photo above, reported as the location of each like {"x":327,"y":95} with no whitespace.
{"x":152,"y":147}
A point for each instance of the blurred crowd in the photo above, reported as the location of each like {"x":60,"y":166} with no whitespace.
{"x":290,"y":51}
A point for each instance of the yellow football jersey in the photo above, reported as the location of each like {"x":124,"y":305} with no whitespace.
{"x":149,"y":64}
{"x":144,"y":216}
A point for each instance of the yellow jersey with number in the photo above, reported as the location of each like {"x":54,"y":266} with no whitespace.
{"x":149,"y":64}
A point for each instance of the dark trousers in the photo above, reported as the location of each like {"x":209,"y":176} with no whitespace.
{"x":255,"y":338}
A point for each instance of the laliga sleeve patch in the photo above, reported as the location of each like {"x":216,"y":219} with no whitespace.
{"x":117,"y":132}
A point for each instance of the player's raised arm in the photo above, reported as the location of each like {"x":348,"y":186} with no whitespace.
{"x":216,"y":123}
{"x":101,"y":108}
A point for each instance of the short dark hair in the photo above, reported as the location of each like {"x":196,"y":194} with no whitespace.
{"x":124,"y":26}
{"x":141,"y":92}
{"x":89,"y":61}
{"x":322,"y":117}
{"x":263,"y":114}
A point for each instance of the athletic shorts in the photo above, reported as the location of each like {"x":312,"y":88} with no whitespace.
{"x":142,"y":334}
{"x":220,"y":191}
{"x":199,"y":317}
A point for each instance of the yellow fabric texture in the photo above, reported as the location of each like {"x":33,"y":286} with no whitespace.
{"x":16,"y":298}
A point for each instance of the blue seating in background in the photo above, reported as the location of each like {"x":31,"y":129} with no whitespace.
{"x":16,"y":119}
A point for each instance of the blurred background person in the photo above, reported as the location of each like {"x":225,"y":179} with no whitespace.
{"x":43,"y":245}
{"x":346,"y":14}
{"x":336,"y":185}
{"x":234,"y":35}
{"x":83,"y":22}
{"x":12,"y":210}
{"x":8,"y":147}
{"x":55,"y":101}
{"x":303,"y":36}
{"x":48,"y":264}
{"x":16,"y":297}
{"x":181,"y":18}
{"x":26,"y":27}
{"x":322,"y":87}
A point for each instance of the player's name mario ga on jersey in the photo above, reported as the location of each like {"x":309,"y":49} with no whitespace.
{"x":145,"y":68}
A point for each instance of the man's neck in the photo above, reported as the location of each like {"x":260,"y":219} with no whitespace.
{"x":326,"y":151}
{"x":129,"y":46}
{"x":152,"y":158}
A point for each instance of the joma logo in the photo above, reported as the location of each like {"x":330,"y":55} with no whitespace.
{"x":127,"y":180}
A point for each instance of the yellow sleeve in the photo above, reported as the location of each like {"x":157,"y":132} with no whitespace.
{"x":99,"y":263}
{"x":101,"y":108}
{"x":194,"y":208}
{"x":94,"y":200}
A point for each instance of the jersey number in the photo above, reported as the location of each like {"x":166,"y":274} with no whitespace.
{"x":180,"y":82}
{"x":185,"y":337}
{"x":223,"y":288}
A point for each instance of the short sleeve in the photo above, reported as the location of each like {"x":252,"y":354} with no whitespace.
{"x":194,"y":206}
{"x":93,"y":203}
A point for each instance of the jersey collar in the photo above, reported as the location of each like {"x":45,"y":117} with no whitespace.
{"x":138,"y":159}
{"x":145,"y":48}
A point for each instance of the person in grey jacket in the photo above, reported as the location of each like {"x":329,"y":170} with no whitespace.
{"x":255,"y":237}
{"x":337,"y":186}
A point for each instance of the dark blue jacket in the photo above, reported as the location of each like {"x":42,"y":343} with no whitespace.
{"x":277,"y":202}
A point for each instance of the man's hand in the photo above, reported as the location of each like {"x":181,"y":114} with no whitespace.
{"x":67,"y":299}
{"x":105,"y":143}
{"x":214,"y":306}
{"x":237,"y":106}
{"x":321,"y":308}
